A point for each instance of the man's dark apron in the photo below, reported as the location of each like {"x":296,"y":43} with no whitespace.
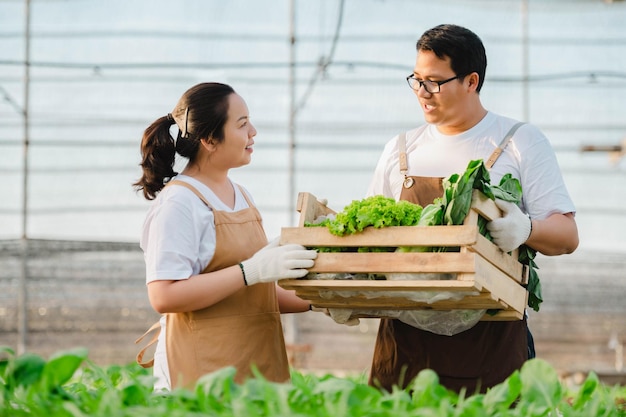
{"x":475,"y":359}
{"x":244,"y":329}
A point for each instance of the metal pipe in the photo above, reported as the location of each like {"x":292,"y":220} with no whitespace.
{"x":22,"y":313}
{"x":601,"y":148}
{"x":292,"y":113}
{"x":525,"y":63}
{"x":289,"y":321}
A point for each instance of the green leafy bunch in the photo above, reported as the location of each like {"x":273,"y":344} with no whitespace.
{"x":376,"y":211}
{"x":69,"y":385}
{"x":453,"y":207}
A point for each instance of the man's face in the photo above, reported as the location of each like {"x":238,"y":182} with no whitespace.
{"x":447,"y":108}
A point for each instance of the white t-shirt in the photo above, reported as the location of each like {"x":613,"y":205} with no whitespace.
{"x":178,"y":241}
{"x":529,"y":157}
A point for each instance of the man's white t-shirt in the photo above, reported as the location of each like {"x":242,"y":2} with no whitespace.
{"x":178,"y":241}
{"x":529,"y":157}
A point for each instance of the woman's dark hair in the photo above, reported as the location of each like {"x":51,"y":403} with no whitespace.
{"x":464,"y":48}
{"x":200,"y":114}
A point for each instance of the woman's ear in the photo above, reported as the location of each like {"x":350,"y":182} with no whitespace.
{"x":208,"y":144}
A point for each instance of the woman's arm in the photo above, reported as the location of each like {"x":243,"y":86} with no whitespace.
{"x":555,"y":235}
{"x":289,"y":302}
{"x":196,"y":292}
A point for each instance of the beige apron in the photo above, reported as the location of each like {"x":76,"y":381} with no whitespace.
{"x":475,"y":359}
{"x":244,"y":329}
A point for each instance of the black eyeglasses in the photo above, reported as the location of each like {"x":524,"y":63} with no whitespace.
{"x":432,"y":87}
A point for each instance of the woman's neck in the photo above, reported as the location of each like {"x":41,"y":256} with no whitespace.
{"x":217,"y":181}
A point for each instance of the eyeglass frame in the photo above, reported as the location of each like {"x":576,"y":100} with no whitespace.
{"x":421,"y":83}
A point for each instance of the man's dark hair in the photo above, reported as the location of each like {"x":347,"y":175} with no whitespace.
{"x":464,"y":48}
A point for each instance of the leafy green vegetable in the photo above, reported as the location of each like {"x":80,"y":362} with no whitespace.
{"x":455,"y":205}
{"x":432,"y":214}
{"x":126,"y":391}
{"x":376,"y":211}
{"x":458,"y":191}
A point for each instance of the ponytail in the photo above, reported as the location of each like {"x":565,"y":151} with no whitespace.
{"x":158,"y":152}
{"x":199,"y":114}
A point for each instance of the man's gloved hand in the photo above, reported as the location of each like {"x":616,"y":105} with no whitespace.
{"x":511,"y":230}
{"x":274,"y":262}
{"x":339,"y":316}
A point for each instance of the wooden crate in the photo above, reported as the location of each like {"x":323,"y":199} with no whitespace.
{"x":496,"y":278}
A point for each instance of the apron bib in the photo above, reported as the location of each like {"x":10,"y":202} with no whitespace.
{"x":244,"y":330}
{"x":475,"y":359}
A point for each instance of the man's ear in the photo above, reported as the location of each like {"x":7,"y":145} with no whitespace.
{"x":473,"y":80}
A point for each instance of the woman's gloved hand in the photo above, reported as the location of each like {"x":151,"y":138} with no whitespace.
{"x":274,"y":262}
{"x":511,"y":230}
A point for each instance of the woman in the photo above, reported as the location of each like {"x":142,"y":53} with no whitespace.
{"x":210,"y":270}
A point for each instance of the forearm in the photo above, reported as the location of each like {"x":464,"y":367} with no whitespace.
{"x":289,"y":302}
{"x":196,"y":292}
{"x":555,"y":235}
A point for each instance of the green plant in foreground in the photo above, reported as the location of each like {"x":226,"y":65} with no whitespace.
{"x":69,"y":385}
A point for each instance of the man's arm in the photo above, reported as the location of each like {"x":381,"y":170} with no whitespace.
{"x":555,"y":235}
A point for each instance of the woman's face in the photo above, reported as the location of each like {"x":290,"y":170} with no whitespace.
{"x":236,"y":148}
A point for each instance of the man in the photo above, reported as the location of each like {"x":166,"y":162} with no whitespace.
{"x":447,"y":79}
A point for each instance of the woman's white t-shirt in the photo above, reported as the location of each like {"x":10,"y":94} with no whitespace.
{"x":178,"y":241}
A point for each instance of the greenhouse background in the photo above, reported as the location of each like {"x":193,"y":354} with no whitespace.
{"x":324,"y":80}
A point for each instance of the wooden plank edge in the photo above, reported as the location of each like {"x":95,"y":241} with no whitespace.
{"x":394,"y":262}
{"x":501,"y":260}
{"x":392,"y":236}
{"x":376,"y":285}
{"x":310,"y":208}
{"x":509,"y":291}
{"x":484,"y":206}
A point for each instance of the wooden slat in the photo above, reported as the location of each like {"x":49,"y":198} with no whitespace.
{"x":394,"y":236}
{"x":507,"y":290}
{"x":376,"y":285}
{"x":501,"y":315}
{"x":485,"y":206}
{"x":385,"y":262}
{"x":398,"y":303}
{"x":503,"y":261}
{"x":310,"y":208}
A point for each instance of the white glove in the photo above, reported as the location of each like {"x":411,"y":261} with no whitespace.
{"x":339,"y":316}
{"x":274,"y":262}
{"x":511,"y":230}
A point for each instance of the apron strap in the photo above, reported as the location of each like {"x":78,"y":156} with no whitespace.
{"x":402,"y":157}
{"x":201,"y":197}
{"x":489,"y":163}
{"x":402,"y":153}
{"x":245,"y":196}
{"x":155,"y":337}
{"x":194,"y":190}
{"x":500,"y":148}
